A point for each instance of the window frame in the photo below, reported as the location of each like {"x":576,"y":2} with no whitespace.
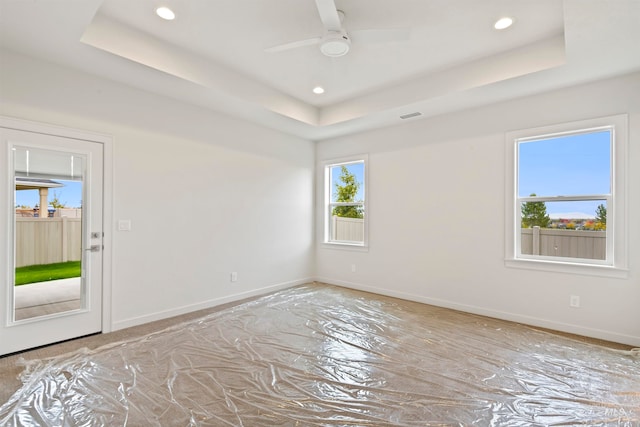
{"x":328,"y":204}
{"x":615,"y":264}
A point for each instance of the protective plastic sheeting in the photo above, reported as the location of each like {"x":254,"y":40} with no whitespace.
{"x":324,"y":356}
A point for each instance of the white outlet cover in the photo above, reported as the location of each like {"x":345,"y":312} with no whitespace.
{"x":124,"y":225}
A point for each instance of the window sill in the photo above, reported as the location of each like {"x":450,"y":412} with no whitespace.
{"x":569,"y":268}
{"x":345,"y":246}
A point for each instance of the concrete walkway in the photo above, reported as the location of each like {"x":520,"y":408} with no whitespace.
{"x":43,"y":298}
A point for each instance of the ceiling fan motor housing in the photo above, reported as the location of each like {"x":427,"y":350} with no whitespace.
{"x":335,"y":43}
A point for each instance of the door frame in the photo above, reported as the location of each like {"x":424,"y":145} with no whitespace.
{"x":107,"y":194}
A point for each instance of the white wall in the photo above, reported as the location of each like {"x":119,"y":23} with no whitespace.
{"x":206,"y":194}
{"x":251,"y":192}
{"x":447,"y":175}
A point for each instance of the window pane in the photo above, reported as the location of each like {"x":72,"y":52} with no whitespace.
{"x":347,"y":182}
{"x":345,"y":219}
{"x":567,"y":229}
{"x":570,"y":165}
{"x":48,"y":233}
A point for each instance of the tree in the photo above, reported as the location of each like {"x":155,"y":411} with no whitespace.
{"x":535,"y":214}
{"x":56,"y":203}
{"x":601,"y":218}
{"x":601,"y":214}
{"x":346,"y":191}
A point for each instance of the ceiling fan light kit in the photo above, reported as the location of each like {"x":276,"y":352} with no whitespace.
{"x":335,"y":44}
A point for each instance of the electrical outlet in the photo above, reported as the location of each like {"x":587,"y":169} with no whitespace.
{"x":234,"y":276}
{"x":353,"y":268}
{"x":574,"y":301}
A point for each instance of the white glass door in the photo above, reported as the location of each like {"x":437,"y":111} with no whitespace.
{"x":51,"y":276}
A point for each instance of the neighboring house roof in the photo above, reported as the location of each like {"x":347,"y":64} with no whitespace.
{"x":571,"y":215}
{"x":35,"y":183}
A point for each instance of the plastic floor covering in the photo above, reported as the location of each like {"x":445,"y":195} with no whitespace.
{"x":324,"y":356}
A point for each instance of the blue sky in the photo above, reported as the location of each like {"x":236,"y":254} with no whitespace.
{"x":572,"y":165}
{"x":70,"y":195}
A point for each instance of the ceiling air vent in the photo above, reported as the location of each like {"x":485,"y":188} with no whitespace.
{"x":410,"y":115}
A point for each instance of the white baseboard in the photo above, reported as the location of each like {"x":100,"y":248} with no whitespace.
{"x":159,"y":315}
{"x":513,"y":317}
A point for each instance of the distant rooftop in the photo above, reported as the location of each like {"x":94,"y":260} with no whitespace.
{"x":572,"y":215}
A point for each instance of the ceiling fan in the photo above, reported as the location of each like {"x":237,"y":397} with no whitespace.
{"x":335,"y":41}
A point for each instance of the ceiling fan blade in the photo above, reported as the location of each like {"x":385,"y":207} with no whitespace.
{"x":329,"y":15}
{"x":380,"y":36}
{"x":293,"y":45}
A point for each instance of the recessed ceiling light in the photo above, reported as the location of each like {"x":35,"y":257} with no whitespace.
{"x":318,"y":90}
{"x":503,"y":23}
{"x":165,"y":13}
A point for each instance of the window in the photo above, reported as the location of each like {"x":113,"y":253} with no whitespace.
{"x":565,"y":198}
{"x":345,"y":202}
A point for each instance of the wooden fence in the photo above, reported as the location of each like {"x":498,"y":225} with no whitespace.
{"x":534,"y":241}
{"x":564,"y":243}
{"x":48,"y":240}
{"x":347,"y":229}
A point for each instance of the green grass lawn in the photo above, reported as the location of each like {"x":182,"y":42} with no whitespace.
{"x":46,"y":272}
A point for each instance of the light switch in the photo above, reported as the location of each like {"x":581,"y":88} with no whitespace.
{"x":124,"y":225}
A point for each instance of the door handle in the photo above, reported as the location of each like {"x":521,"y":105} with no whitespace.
{"x":93,"y":248}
